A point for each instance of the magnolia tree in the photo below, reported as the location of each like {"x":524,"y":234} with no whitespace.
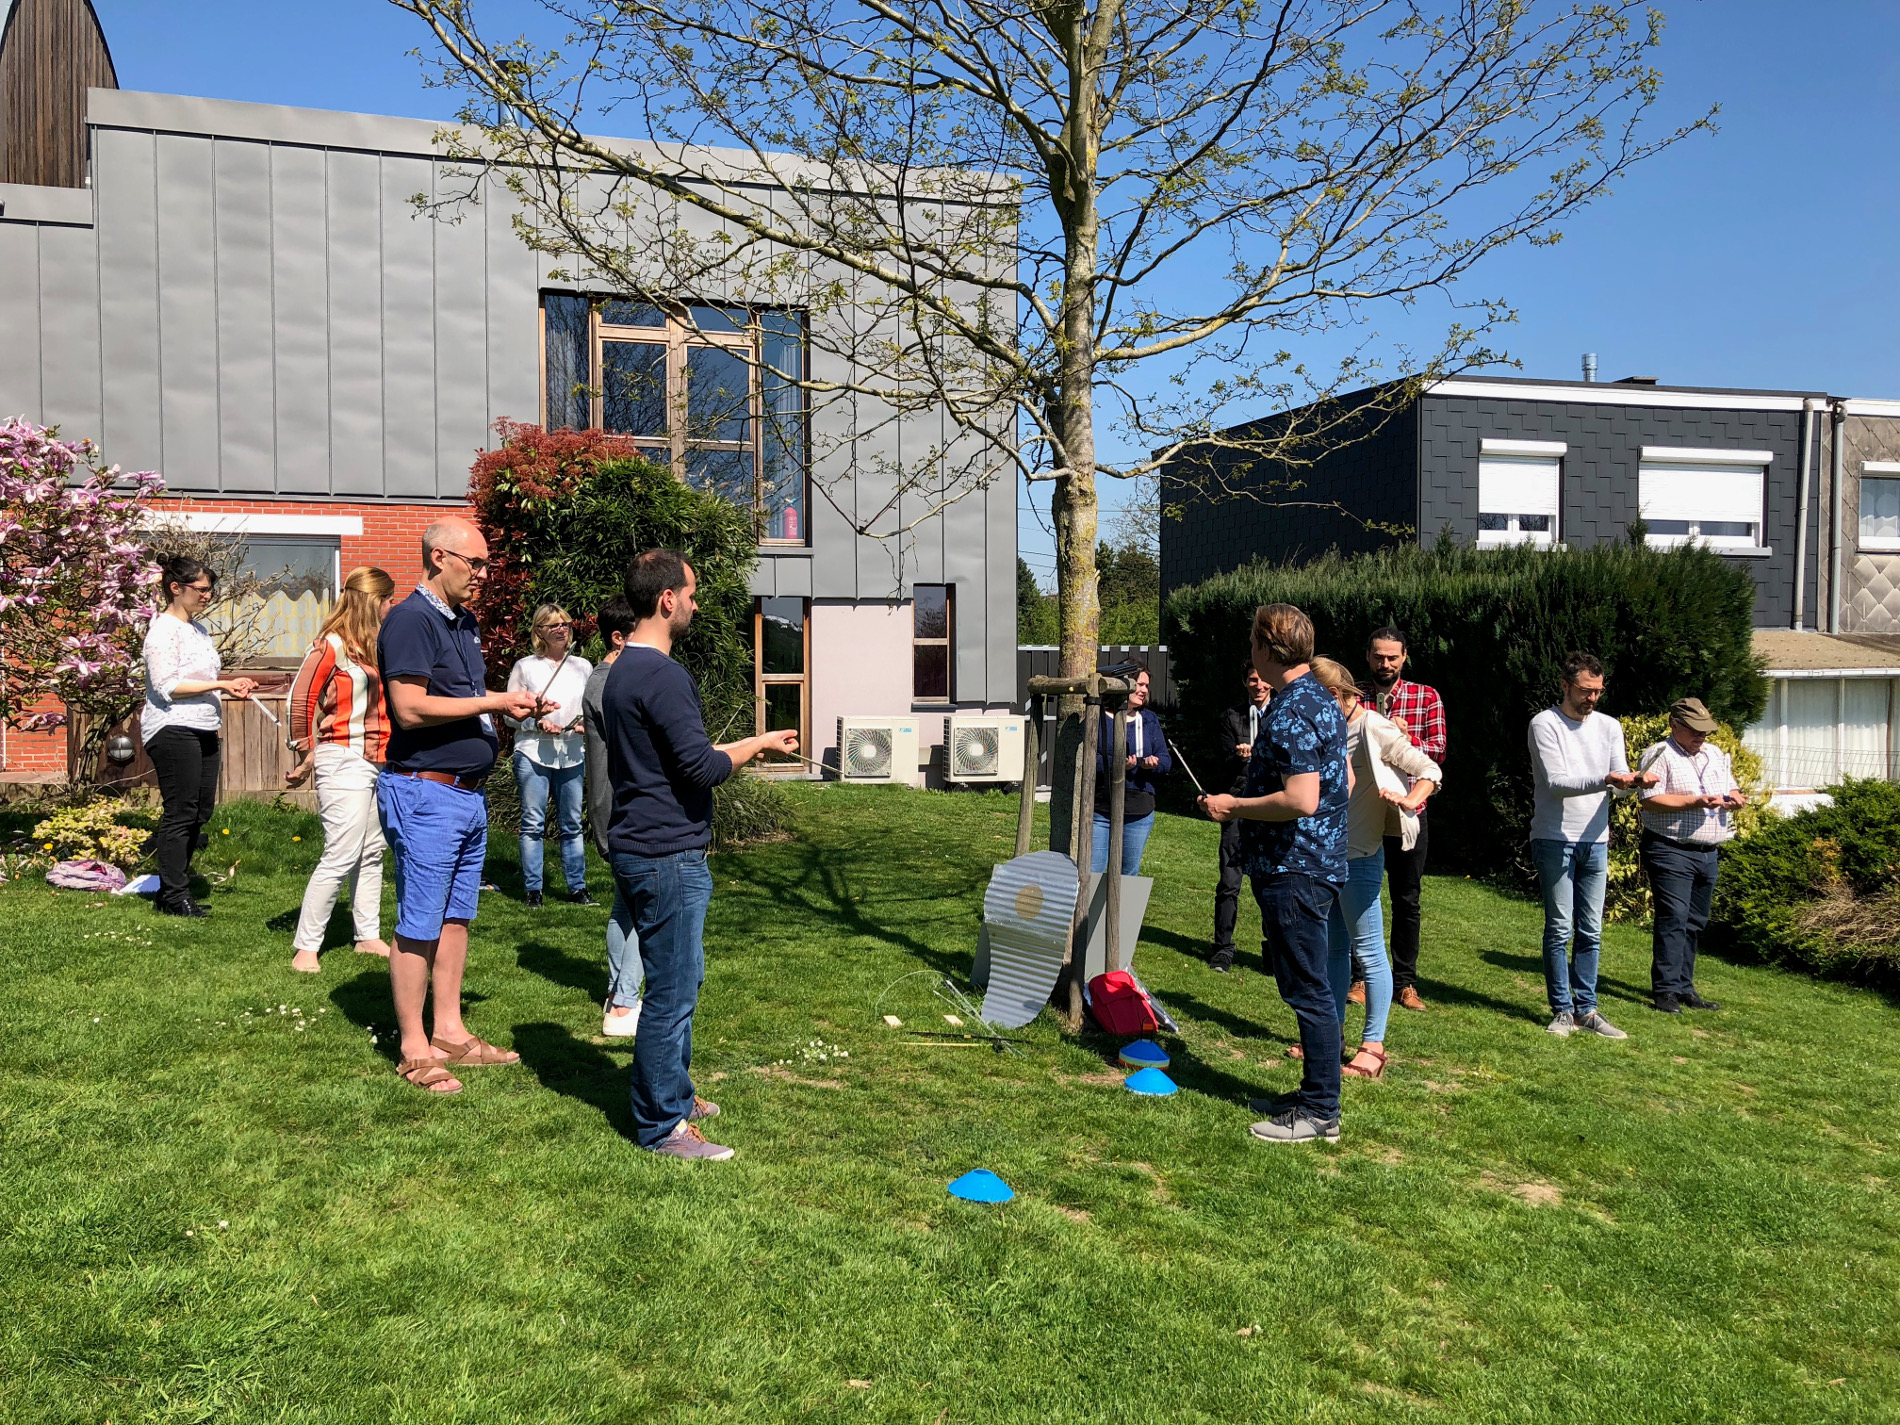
{"x":77,"y":584}
{"x":1080,"y":238}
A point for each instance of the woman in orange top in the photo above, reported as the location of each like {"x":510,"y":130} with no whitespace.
{"x":339,"y":722}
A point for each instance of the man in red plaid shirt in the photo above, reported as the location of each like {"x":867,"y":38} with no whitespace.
{"x":1419,"y":710}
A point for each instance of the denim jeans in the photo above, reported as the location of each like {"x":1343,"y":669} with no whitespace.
{"x":1134,"y":841}
{"x":1573,"y":875}
{"x":537,"y":784}
{"x":668,"y":896}
{"x":625,"y":972}
{"x":1294,"y":910}
{"x":1357,"y":929}
{"x":1682,"y":883}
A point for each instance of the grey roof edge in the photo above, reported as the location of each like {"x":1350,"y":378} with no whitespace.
{"x":1598,"y":387}
{"x":383,"y":133}
{"x":30,"y":203}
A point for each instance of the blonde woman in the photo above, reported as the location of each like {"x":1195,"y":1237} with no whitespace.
{"x":338,"y":720}
{"x":1390,"y":781}
{"x":551,"y":753}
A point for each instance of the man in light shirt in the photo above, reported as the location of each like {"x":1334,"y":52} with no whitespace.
{"x":1685,"y":818}
{"x":1577,"y":762}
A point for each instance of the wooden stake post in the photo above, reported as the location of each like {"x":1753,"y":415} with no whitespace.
{"x":1097,"y":690}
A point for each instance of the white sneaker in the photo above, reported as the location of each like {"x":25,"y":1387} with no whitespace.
{"x":621,"y":1026}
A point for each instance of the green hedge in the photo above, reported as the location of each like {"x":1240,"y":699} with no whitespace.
{"x":1489,"y":629}
{"x":1819,"y":890}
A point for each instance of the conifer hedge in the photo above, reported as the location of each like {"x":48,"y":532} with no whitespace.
{"x":1489,"y":629}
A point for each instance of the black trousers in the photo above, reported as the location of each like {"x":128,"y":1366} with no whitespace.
{"x":1227,"y":893}
{"x":186,"y":761}
{"x":1682,"y":884}
{"x":1404,"y":872}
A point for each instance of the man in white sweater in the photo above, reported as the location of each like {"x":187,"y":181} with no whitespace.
{"x":1577,"y":762}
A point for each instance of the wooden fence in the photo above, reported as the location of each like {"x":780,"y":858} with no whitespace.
{"x":253,"y":762}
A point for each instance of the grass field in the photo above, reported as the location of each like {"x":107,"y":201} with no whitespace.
{"x":220,"y":1204}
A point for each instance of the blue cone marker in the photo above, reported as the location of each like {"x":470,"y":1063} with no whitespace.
{"x":1149,"y":1081}
{"x":981,"y":1185}
{"x":1144,"y":1054}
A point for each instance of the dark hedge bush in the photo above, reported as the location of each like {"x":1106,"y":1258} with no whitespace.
{"x":1819,"y":890}
{"x":1489,"y":629}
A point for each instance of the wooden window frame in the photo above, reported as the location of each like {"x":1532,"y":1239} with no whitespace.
{"x":761,"y":680}
{"x":948,"y":642}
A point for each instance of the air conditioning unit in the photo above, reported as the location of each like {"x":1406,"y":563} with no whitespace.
{"x":877,"y":749}
{"x":983,"y":747}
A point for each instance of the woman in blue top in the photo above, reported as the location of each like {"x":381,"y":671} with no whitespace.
{"x":1148,"y":762}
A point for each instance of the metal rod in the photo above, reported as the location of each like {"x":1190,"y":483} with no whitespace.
{"x":1176,"y":753}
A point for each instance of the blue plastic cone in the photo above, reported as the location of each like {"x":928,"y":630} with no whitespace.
{"x":1144,"y":1054}
{"x":981,"y":1185}
{"x":1149,"y":1081}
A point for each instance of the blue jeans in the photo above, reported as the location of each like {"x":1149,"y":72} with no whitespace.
{"x":1134,"y":840}
{"x":1294,"y":910}
{"x":537,"y":783}
{"x":1573,"y":875}
{"x":1358,"y":933}
{"x":668,"y":896}
{"x":625,"y":972}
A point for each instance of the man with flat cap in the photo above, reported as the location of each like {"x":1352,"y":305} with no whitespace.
{"x":1685,"y":820}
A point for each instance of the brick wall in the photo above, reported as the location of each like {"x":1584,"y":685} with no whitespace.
{"x":391,"y":539}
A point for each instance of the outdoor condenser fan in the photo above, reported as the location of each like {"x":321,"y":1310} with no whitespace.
{"x":976,"y":752}
{"x":867,"y":752}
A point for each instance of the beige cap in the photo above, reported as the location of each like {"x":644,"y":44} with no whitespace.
{"x":1691,"y":714}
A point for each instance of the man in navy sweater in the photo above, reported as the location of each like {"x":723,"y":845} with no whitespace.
{"x":663,"y":769}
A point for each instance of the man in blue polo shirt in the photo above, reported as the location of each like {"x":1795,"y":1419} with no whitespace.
{"x":1293,"y":846}
{"x":663,"y":769}
{"x":441,"y":748}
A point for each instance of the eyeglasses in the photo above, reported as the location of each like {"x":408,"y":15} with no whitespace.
{"x":477,"y":567}
{"x":197,"y":588}
{"x":554,"y":627}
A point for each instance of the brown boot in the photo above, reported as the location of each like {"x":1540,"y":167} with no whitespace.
{"x":1357,"y":994}
{"x":1408,"y":999}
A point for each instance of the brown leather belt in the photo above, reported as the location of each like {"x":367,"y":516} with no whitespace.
{"x":447,"y":779}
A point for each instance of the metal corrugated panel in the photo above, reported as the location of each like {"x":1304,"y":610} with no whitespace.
{"x":1028,"y":910}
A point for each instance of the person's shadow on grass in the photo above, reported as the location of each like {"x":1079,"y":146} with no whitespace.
{"x":363,"y":999}
{"x":586,"y":973}
{"x":578,"y":1070}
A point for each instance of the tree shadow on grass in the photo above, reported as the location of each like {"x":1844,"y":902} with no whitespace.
{"x":1438,"y":992}
{"x":578,"y":1070}
{"x":1204,"y":1013}
{"x":588,"y":974}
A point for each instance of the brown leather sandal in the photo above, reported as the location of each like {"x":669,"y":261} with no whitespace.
{"x":425,"y":1074}
{"x":473,"y":1053}
{"x":1373,"y":1066}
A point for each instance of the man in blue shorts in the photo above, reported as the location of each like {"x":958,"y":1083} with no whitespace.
{"x":1293,"y":846}
{"x":442,"y":746}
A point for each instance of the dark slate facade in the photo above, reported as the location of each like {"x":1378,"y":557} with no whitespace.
{"x":1421,"y":471}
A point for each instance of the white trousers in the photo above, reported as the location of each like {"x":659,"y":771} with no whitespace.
{"x":352,"y":848}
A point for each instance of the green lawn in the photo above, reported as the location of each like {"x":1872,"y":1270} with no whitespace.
{"x":221,"y":1204}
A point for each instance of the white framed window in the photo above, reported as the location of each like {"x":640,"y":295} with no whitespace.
{"x":1520,"y":489}
{"x":1880,"y":506}
{"x":1712,"y":497}
{"x":1820,"y":727}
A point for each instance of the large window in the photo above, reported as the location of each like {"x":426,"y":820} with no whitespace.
{"x":1880,"y":506}
{"x":711,"y":390}
{"x":1818,"y":730}
{"x":1519,"y":487}
{"x":296,"y":589}
{"x":1712,"y":497}
{"x":931,"y":643}
{"x":781,"y":663}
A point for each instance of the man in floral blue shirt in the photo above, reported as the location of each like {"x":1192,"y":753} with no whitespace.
{"x":1293,"y":846}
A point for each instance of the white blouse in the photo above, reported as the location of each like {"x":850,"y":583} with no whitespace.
{"x":179,"y":652}
{"x":552,"y":749}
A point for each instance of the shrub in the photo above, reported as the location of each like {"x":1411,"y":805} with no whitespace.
{"x":1627,"y":898}
{"x":748,"y":808}
{"x":110,"y":830}
{"x":1489,"y":628}
{"x":565,"y":512}
{"x":1819,"y":890}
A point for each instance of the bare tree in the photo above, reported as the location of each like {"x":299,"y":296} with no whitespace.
{"x":1087,"y":234}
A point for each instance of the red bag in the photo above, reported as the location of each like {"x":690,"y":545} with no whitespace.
{"x":1120,"y":1005}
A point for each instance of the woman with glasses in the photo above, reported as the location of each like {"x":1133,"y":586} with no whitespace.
{"x":180,"y":722}
{"x":551,"y":753}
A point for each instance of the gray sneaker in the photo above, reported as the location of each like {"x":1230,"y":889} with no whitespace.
{"x":1563,"y":1026}
{"x":1296,"y":1125}
{"x":1597,"y":1024}
{"x":686,"y":1141}
{"x":702,"y":1108}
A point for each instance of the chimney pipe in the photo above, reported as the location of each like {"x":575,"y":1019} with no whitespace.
{"x":1589,"y":366}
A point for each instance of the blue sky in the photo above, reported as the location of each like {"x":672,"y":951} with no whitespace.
{"x":1764,"y":255}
